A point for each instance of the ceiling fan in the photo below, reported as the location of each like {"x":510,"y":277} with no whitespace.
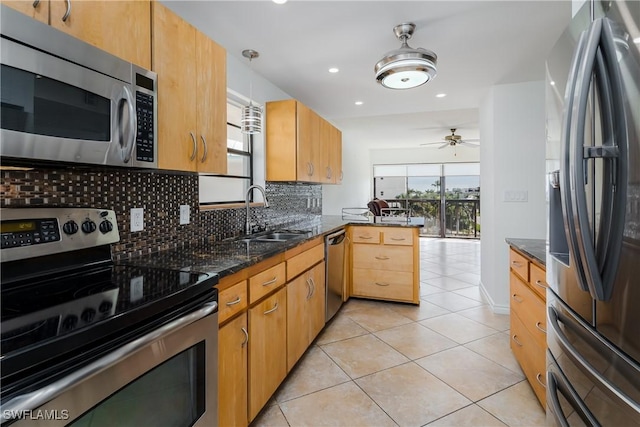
{"x":453,"y":140}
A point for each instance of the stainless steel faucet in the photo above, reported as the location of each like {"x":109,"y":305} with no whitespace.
{"x":247,"y":227}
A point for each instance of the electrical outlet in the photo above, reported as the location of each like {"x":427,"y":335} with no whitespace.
{"x":185,"y":214}
{"x":137,"y":219}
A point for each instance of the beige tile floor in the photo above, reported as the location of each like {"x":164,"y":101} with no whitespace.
{"x":446,"y":362}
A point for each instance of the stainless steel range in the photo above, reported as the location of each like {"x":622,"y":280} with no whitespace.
{"x":86,"y":341}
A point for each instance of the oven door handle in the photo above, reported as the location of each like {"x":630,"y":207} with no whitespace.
{"x":37,"y":398}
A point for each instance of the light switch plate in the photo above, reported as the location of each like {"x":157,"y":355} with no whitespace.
{"x":185,"y":214}
{"x":516,"y":195}
{"x":137,"y":219}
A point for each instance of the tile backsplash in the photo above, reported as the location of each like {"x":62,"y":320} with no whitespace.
{"x":160,"y":194}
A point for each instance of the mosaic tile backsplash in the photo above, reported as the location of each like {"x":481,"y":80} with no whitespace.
{"x":160,"y":194}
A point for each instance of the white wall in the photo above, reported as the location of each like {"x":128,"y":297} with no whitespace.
{"x":512,"y":158}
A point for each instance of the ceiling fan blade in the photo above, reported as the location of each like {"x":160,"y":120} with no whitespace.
{"x":467,"y":144}
{"x":431,"y":143}
{"x":446,"y":144}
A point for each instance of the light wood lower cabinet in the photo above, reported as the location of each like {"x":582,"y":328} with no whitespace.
{"x":305,"y":311}
{"x":233,"y":341}
{"x":267,"y":349}
{"x":385,"y":263}
{"x":528,"y":319}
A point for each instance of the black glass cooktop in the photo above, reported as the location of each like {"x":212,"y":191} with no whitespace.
{"x":59,"y":317}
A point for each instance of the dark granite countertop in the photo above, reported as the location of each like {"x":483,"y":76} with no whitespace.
{"x":534,"y":248}
{"x":230,"y":256}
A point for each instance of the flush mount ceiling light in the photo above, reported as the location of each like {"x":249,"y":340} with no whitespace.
{"x":406,"y":67}
{"x":251,"y":115}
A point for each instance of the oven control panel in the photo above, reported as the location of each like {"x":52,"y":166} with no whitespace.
{"x":31,"y":232}
{"x":28,"y":232}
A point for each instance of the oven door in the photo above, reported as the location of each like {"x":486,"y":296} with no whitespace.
{"x":165,"y":378}
{"x":56,"y":110}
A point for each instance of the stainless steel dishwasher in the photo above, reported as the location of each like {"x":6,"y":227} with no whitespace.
{"x":334,"y":254}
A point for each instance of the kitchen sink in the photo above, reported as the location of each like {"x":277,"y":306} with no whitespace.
{"x":277,"y":236}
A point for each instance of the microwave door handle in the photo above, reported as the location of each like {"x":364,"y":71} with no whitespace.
{"x":566,"y":190}
{"x":127,"y":151}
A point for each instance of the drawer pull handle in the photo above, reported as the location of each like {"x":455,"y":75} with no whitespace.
{"x":381,"y":284}
{"x":36,"y":3}
{"x":67,"y":12}
{"x":246,"y":336}
{"x":366,"y":237}
{"x":541,"y":284}
{"x":313,"y":286}
{"x":540,"y":328}
{"x":540,"y":382}
{"x":517,"y":298}
{"x":398,"y":239}
{"x":234,"y":302}
{"x":515,"y":338}
{"x":382,"y":258}
{"x":516,"y":263}
{"x":270,"y":282}
{"x":272,"y":310}
{"x":309,"y":292}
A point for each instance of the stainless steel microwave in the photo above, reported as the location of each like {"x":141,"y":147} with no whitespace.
{"x":65,"y":101}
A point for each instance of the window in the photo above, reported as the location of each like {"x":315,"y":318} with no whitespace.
{"x":446,"y":195}
{"x":232,"y":187}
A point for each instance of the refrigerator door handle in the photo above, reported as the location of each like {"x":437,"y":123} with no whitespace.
{"x":599,"y":260}
{"x":557,"y":384}
{"x":582,"y":330}
{"x":566,"y":184}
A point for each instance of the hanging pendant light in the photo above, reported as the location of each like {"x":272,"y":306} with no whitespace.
{"x":251,"y":118}
{"x":406,"y":67}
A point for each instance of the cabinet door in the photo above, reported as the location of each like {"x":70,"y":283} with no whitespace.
{"x":232,"y":372}
{"x":335,"y":156}
{"x":122,"y":28}
{"x":317,"y":301}
{"x":298,"y":294}
{"x":308,"y":129}
{"x":211,"y":60}
{"x":174,"y":44}
{"x":267,"y":349}
{"x":39,"y":12}
{"x":280,"y":139}
{"x":325,"y":135}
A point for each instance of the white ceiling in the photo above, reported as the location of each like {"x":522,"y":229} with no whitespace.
{"x":479,"y":44}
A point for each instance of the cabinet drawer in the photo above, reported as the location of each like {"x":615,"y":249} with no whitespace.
{"x":397,"y":236}
{"x":392,"y":258}
{"x":366,"y":235}
{"x":391,"y":285}
{"x":531,"y":357}
{"x":538,"y":280}
{"x":304,"y":261}
{"x":232,"y":300}
{"x":519,"y":264}
{"x":263,"y":283}
{"x":530,"y":310}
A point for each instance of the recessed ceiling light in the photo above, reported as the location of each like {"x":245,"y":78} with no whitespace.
{"x":552,"y":83}
{"x":441,"y":95}
{"x":279,"y":1}
{"x":636,"y":40}
{"x":359,"y":102}
{"x":333,"y":70}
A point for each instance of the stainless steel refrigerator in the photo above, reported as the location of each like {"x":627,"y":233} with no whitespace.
{"x":593,"y":265}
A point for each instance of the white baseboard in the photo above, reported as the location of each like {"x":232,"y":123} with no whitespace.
{"x":496,"y":308}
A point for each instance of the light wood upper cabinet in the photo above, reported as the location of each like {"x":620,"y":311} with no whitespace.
{"x":299,"y":144}
{"x":192,"y":110}
{"x":38,"y":11}
{"x":335,"y":156}
{"x":211,"y":65}
{"x":232,"y":372}
{"x":122,"y":28}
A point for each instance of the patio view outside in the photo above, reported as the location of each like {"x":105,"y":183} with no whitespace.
{"x":446,"y":195}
